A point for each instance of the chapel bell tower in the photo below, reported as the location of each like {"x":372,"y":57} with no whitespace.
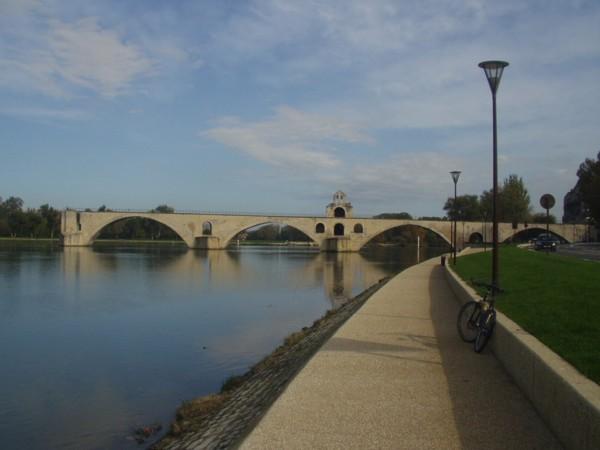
{"x":340,"y":207}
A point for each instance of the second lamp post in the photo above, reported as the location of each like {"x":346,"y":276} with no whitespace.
{"x":455,"y":174}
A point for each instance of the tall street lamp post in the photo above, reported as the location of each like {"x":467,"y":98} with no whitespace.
{"x":455,"y":174}
{"x":493,"y":72}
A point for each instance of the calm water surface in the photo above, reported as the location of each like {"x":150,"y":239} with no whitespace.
{"x":97,"y":341}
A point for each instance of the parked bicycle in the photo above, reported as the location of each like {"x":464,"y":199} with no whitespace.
{"x":476,"y":319}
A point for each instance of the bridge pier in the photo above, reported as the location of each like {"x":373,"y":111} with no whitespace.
{"x":75,"y":239}
{"x":338,"y":244}
{"x":207,"y":243}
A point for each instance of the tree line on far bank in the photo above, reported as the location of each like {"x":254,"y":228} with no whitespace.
{"x":15,"y":221}
{"x":513,"y":204}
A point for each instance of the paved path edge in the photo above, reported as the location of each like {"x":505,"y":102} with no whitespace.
{"x":567,"y":401}
{"x":235,"y":419}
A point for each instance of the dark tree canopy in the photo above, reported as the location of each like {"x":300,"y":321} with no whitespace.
{"x":32,"y":223}
{"x":514,"y":200}
{"x":139,"y":227}
{"x":513,"y":204}
{"x":433,"y":218}
{"x":400,"y":216}
{"x":467,"y":208}
{"x":163,"y":209}
{"x":273,"y":232}
{"x":540,"y":217}
{"x":589,"y":184}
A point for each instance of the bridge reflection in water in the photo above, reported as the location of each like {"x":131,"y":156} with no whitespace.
{"x":341,"y":275}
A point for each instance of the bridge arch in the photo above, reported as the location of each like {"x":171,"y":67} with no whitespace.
{"x":475,"y":238}
{"x":531,"y":233}
{"x":307,"y":232}
{"x":111,"y":219}
{"x":396,"y":226}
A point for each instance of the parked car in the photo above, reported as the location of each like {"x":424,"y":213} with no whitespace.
{"x":545,"y":242}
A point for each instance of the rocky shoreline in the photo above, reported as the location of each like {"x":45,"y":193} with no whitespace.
{"x":222,"y":420}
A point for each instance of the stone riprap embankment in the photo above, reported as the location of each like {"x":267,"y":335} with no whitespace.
{"x":244,"y":405}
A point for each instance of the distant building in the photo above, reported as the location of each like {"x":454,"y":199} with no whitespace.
{"x":574,"y":209}
{"x":340,"y":207}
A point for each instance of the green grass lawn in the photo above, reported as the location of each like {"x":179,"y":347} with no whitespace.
{"x":556,"y":298}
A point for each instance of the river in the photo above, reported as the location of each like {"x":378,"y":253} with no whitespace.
{"x":97,"y":341}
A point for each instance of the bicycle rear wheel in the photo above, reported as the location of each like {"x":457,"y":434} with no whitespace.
{"x":467,"y":321}
{"x":486,"y":328}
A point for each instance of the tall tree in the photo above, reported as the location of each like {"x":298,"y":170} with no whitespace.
{"x":467,"y":207}
{"x":52,"y":220}
{"x":12,"y":204}
{"x":589,"y":182}
{"x":486,"y":205}
{"x":516,"y":204}
{"x":513,"y":201}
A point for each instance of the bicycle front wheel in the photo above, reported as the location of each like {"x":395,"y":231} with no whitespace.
{"x":486,"y":328}
{"x":468,"y":317}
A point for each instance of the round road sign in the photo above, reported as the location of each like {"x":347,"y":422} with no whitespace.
{"x":547,"y":201}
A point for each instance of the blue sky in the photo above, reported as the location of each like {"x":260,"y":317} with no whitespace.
{"x":271,"y":106}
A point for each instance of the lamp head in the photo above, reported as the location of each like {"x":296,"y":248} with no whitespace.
{"x":455,"y":174}
{"x":493,"y":72}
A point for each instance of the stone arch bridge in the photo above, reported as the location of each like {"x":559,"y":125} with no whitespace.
{"x":337,"y":234}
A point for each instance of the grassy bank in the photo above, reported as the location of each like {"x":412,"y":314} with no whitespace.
{"x":556,"y":298}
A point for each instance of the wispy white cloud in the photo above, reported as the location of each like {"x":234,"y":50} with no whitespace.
{"x":292,"y":139}
{"x":87,"y":55}
{"x":302,"y":146}
{"x":82,"y":54}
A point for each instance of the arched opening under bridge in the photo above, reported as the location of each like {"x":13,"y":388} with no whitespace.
{"x":271,"y":233}
{"x":136,"y":228}
{"x":529,"y":234}
{"x":406,"y":241}
{"x":476,"y":238}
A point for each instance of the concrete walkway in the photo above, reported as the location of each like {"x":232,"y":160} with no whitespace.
{"x":397,"y":376}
